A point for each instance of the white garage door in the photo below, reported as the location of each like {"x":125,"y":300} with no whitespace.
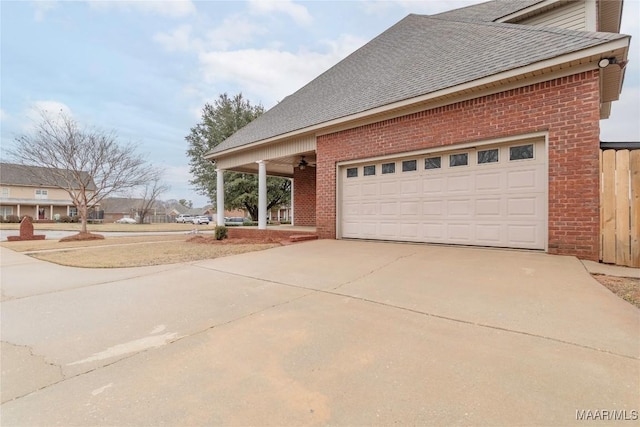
{"x":488,"y":196}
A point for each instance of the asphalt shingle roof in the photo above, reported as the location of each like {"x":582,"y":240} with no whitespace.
{"x":34,"y":176}
{"x":417,"y":56}
{"x":489,"y":11}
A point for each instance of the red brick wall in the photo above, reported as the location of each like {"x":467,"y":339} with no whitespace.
{"x":304,"y":196}
{"x":568,"y":108}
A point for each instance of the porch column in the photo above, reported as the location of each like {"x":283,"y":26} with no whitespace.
{"x":292,"y":216}
{"x":50,"y":211}
{"x":18,"y":209}
{"x":68,"y":210}
{"x":37,"y":212}
{"x":220,"y":197}
{"x":262,"y":195}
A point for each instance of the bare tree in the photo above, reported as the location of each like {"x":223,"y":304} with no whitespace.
{"x":150,"y":194}
{"x":89,"y":164}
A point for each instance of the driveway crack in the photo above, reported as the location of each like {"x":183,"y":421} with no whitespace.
{"x":375,"y":270}
{"x":137,"y":276}
{"x":11,"y":352}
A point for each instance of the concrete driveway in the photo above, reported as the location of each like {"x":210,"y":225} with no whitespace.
{"x":324,"y":332}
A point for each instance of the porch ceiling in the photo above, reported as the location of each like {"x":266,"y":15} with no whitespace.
{"x":280,"y":166}
{"x":280,"y":157}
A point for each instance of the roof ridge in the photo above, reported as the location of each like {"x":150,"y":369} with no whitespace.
{"x":600,"y":35}
{"x":519,"y":5}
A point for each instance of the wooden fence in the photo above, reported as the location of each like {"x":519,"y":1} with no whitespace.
{"x":620,"y":207}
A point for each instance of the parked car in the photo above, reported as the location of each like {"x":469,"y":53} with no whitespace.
{"x":126,"y":221}
{"x":235,"y":220}
{"x":184,"y":218}
{"x":200,"y":219}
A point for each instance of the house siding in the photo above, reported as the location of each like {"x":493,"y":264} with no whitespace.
{"x":19,"y":192}
{"x":571,"y":16}
{"x":566,"y":108}
{"x":21,"y":200}
{"x":304,"y":197}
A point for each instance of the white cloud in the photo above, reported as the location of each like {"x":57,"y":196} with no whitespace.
{"x":178,"y":40}
{"x":42,"y":7}
{"x":380,"y":8}
{"x":272,"y":74}
{"x":169,"y":8}
{"x":297,"y":12}
{"x":177,"y":177}
{"x":3,"y":115}
{"x":235,"y":30}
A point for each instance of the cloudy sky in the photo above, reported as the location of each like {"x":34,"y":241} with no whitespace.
{"x":146,"y":68}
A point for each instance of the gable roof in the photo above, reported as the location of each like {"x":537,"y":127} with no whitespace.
{"x":182,"y":209}
{"x":37,"y":176}
{"x":419,"y":55}
{"x":120,"y":204}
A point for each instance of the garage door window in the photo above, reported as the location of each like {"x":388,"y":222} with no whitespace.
{"x":409,"y":165}
{"x":458,"y":160}
{"x":433,"y":163}
{"x":488,"y":156}
{"x":352,"y":173}
{"x":369,"y":170}
{"x":388,"y":168}
{"x":521,"y":152}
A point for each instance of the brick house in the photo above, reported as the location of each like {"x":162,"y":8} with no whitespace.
{"x":477,"y":126}
{"x":22,"y":193}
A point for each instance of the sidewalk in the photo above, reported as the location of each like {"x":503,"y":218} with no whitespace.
{"x":611,"y":270}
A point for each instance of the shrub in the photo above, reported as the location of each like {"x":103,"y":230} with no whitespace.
{"x":65,"y":218}
{"x":12,"y":219}
{"x":221,"y":232}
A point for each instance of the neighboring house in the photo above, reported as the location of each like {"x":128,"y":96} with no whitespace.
{"x":115,"y":208}
{"x":280,"y":214}
{"x":23,"y":194}
{"x":173,"y":209}
{"x":478,"y":126}
{"x":211,"y":211}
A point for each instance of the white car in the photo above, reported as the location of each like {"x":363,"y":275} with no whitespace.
{"x":126,"y":221}
{"x":184,"y":218}
{"x":200,"y":219}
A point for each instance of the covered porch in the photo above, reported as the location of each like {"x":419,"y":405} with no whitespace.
{"x":43,"y":210}
{"x":293,"y":159}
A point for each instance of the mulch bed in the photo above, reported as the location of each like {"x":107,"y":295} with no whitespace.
{"x":82,"y":237}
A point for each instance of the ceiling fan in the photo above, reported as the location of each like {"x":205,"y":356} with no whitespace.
{"x":303,"y":163}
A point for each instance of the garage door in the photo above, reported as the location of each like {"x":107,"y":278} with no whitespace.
{"x":488,"y":196}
